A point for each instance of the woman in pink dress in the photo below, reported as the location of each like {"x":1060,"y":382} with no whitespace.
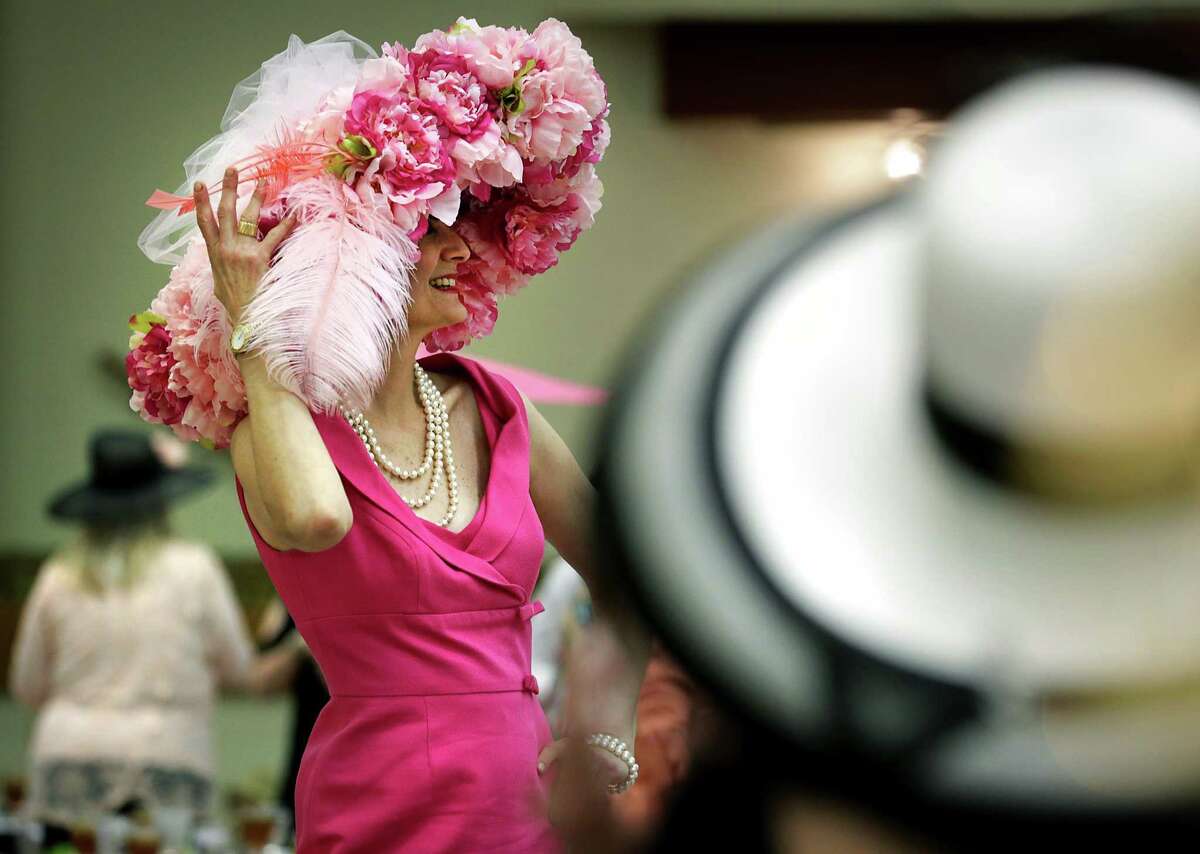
{"x":400,"y":506}
{"x":416,"y":606}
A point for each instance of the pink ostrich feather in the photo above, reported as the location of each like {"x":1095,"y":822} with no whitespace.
{"x":335,"y":301}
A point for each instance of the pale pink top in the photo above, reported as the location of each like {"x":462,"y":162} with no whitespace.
{"x":130,"y":674}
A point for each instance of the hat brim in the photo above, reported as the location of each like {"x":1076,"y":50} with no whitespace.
{"x":861,"y":517}
{"x":775,"y":491}
{"x":85,"y":502}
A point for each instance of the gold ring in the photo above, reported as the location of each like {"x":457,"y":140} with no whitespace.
{"x":250,"y":229}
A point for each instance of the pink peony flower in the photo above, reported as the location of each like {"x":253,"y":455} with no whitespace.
{"x":483,"y":230}
{"x":327,"y":123}
{"x":396,"y":51}
{"x":446,"y":86}
{"x":494,"y":54}
{"x":412,"y":167}
{"x":562,"y":96}
{"x":498,"y":53}
{"x":548,"y":191}
{"x":203,"y":374}
{"x":493,"y":165}
{"x":389,"y":72}
{"x":516,"y":238}
{"x":591,"y":148}
{"x":148,"y":368}
{"x":534,"y":236}
{"x":589,"y":192}
{"x":480,"y":302}
{"x":550,"y":127}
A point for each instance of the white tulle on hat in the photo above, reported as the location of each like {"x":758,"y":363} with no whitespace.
{"x":289,"y":89}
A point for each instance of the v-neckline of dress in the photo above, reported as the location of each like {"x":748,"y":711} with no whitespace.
{"x":506,"y":493}
{"x":463,"y":537}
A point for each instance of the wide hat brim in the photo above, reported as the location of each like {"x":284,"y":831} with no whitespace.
{"x":89,"y":503}
{"x":779,"y":501}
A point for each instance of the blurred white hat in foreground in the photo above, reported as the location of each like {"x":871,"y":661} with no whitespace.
{"x":957,"y":431}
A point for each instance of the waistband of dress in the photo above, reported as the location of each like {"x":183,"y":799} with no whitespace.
{"x":407,"y":654}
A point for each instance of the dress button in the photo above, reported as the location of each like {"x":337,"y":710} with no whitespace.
{"x":531,"y":609}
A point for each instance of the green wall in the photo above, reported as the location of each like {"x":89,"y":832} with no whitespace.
{"x":102,"y":102}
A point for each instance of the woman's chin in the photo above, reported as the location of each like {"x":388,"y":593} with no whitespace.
{"x":451,"y":318}
{"x":445,"y":311}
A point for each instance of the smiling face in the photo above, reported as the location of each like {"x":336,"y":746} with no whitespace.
{"x":435,"y":301}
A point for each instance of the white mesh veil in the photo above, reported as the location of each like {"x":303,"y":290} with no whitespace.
{"x":286,"y":90}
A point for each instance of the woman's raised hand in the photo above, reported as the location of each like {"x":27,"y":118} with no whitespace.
{"x":238,"y":261}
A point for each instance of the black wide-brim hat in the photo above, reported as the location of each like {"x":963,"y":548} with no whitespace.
{"x":128,"y":481}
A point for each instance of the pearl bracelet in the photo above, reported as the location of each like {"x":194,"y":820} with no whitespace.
{"x":619,"y":749}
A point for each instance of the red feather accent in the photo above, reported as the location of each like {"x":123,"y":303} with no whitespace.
{"x":165,"y":201}
{"x":288,"y":161}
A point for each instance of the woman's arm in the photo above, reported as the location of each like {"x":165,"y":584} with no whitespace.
{"x":238,"y":667}
{"x":293,"y":492}
{"x":227,"y":642}
{"x":565,"y":501}
{"x":33,"y":650}
{"x":275,"y":669}
{"x":276,"y":666}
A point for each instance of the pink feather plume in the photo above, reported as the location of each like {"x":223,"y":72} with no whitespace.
{"x":335,"y":301}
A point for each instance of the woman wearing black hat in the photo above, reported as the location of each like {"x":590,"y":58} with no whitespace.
{"x":125,"y":637}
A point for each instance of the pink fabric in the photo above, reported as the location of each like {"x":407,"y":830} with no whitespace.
{"x":431,"y":738}
{"x":542,"y":388}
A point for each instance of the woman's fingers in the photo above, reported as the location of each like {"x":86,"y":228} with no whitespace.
{"x":250,"y":214}
{"x":579,"y":804}
{"x":550,"y":753}
{"x":276,"y":235}
{"x":226,"y":214}
{"x":204,"y":215}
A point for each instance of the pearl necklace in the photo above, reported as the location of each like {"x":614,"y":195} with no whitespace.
{"x":438,"y":454}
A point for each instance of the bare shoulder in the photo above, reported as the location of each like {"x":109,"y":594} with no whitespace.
{"x":539,"y":427}
{"x":193,"y":554}
{"x":542,"y":437}
{"x":56,"y":571}
{"x":550,"y":460}
{"x":189,"y":565}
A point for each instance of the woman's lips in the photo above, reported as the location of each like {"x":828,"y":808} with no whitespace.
{"x":442,"y":283}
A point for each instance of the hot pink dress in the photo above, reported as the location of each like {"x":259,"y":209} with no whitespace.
{"x":431,"y":738}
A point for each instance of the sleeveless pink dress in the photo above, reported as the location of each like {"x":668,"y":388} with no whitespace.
{"x":431,"y":737}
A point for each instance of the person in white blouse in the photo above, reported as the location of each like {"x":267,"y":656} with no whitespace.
{"x":123,"y":643}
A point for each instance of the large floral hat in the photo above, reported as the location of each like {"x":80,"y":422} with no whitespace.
{"x":494,"y":131}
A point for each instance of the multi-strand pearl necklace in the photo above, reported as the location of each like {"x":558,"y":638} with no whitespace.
{"x":438,"y":455}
